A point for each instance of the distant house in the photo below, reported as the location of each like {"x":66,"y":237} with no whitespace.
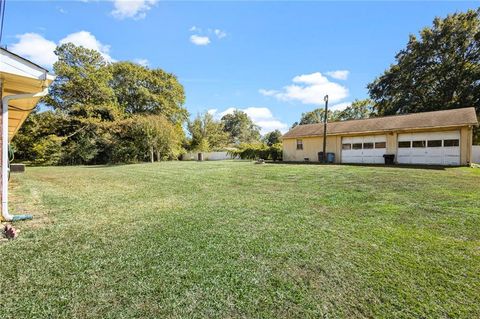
{"x":432,"y":138}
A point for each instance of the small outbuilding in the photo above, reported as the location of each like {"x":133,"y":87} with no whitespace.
{"x":428,"y":138}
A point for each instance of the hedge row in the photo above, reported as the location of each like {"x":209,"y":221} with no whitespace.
{"x":258,"y":151}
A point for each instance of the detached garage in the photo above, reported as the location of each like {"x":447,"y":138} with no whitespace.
{"x":429,"y":138}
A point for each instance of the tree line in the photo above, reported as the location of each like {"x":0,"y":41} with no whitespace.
{"x":121,"y":112}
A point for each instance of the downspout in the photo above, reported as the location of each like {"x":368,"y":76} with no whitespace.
{"x":5,"y":100}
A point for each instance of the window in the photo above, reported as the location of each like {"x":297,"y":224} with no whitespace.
{"x":357,"y":146}
{"x":418,"y":144}
{"x":404,"y":144}
{"x":306,"y":159}
{"x":450,"y":143}
{"x":434,"y":143}
{"x":346,"y":146}
{"x":299,"y":144}
{"x":367,"y":146}
{"x":380,"y":145}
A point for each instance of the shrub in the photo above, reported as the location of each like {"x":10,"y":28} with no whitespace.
{"x":257,"y":151}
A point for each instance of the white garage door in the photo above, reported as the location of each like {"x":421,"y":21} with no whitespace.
{"x":434,"y":148}
{"x":364,"y":149}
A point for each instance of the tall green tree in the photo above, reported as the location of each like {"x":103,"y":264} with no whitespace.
{"x":140,"y":90}
{"x":104,"y":113}
{"x":317,"y":116}
{"x":359,"y":109}
{"x":81,"y":87}
{"x":273,"y":137}
{"x":240,"y":128}
{"x":438,"y":70}
{"x":159,"y":136}
{"x":206,"y":133}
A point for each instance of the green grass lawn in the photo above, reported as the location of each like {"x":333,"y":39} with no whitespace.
{"x":238,"y":240}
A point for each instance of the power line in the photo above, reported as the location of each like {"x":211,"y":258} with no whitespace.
{"x":2,"y":5}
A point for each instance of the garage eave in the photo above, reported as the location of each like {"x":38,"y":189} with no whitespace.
{"x":376,"y":132}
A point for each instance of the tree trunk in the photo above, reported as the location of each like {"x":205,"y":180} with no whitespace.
{"x":151,"y":154}
{"x":158,"y":156}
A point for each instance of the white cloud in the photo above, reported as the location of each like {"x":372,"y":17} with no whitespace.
{"x":204,"y":37}
{"x":194,"y":29}
{"x":268,"y":92}
{"x":219,"y":33}
{"x":36,"y":48}
{"x":272,"y":125}
{"x":134,"y":9}
{"x":88,"y":40}
{"x":339,"y":74}
{"x":199,"y":40}
{"x":340,"y":106}
{"x":309,"y":89}
{"x":142,"y":62}
{"x":261,"y":116}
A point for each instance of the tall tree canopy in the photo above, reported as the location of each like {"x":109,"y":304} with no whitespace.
{"x":359,"y":109}
{"x":240,"y":127}
{"x":81,"y":87}
{"x":272,"y":137}
{"x":104,"y":113}
{"x":206,"y":133}
{"x":140,"y":90}
{"x":439,"y":70}
{"x":317,"y":116}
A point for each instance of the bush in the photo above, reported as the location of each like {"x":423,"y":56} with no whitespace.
{"x":48,"y":150}
{"x":257,"y":151}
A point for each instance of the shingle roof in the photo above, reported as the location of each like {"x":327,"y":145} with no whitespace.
{"x":445,"y":118}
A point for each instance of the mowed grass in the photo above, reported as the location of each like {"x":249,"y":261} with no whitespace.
{"x":238,"y":240}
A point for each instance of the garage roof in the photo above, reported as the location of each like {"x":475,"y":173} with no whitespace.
{"x":445,"y":118}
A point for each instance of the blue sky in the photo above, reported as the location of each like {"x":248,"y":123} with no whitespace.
{"x":273,"y":59}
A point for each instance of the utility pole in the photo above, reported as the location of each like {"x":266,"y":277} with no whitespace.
{"x":325,"y":129}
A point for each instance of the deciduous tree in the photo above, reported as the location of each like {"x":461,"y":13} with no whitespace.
{"x":206,"y":133}
{"x":272,"y":137}
{"x":359,"y":109}
{"x":438,"y":70}
{"x":240,"y":127}
{"x":140,"y":90}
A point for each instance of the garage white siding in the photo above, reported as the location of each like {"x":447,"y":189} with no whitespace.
{"x":364,"y":149}
{"x":431,"y":148}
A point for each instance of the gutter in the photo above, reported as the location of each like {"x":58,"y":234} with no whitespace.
{"x":4,"y":103}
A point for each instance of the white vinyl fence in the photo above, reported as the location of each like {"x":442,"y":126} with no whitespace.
{"x":476,"y":154}
{"x":207,"y":156}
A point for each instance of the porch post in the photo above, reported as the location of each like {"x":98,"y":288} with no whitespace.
{"x":1,"y":150}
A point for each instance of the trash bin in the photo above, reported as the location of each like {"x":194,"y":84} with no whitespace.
{"x":389,"y":159}
{"x":320,"y":157}
{"x":331,"y":158}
